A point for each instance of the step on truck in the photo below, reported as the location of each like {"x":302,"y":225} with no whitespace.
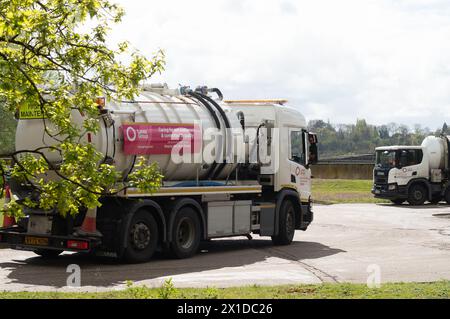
{"x":415,"y":174}
{"x":231,"y":168}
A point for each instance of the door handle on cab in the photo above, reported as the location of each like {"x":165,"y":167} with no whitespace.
{"x":293,"y":179}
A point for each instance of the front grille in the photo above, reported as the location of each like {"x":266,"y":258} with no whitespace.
{"x":380,"y":176}
{"x":381,"y":180}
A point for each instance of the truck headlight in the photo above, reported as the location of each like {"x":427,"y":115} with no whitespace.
{"x":392,"y":187}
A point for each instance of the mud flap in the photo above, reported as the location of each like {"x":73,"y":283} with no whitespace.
{"x":267,"y":220}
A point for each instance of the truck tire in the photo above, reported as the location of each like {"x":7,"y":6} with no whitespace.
{"x":142,"y":237}
{"x":417,"y":195}
{"x":186,"y":234}
{"x":287,"y":224}
{"x":397,"y":201}
{"x":48,"y":253}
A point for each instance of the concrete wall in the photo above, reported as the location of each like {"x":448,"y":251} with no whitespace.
{"x":342,"y":171}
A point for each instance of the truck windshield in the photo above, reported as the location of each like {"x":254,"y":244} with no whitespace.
{"x":386,"y":159}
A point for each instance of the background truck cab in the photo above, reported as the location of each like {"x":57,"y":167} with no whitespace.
{"x":413,"y":173}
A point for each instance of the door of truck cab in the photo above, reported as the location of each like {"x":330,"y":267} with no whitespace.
{"x":298,"y":158}
{"x":408,"y":166}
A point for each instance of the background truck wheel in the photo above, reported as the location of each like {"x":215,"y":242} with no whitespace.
{"x":447,"y":195}
{"x":397,"y":201}
{"x":185,"y":234}
{"x":287,"y":224}
{"x":142,"y":237}
{"x":48,"y":253}
{"x":417,"y":195}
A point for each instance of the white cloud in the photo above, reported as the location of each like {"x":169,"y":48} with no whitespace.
{"x":340,"y":60}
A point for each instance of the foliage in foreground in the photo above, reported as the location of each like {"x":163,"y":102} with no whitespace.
{"x":7,"y":131}
{"x":440,"y":289}
{"x":54,"y":65}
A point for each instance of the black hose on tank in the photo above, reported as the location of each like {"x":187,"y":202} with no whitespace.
{"x":218,"y":92}
{"x":227,"y":126}
{"x":219,"y":108}
{"x":216,"y":121}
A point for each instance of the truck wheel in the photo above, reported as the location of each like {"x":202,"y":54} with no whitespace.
{"x":398,"y":201}
{"x":48,"y":253}
{"x":185,"y":234}
{"x":142,"y":237}
{"x":417,"y":195}
{"x":287,"y":224}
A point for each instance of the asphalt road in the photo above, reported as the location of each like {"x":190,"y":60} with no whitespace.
{"x":345,"y":243}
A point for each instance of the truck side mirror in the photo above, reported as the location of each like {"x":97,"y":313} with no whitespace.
{"x":313,"y":156}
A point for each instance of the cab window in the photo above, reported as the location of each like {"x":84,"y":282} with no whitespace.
{"x":410,"y":157}
{"x":297,"y":147}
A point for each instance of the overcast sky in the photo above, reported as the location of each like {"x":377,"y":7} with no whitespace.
{"x":383,"y":60}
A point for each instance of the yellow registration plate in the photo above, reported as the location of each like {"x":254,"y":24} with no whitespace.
{"x":36,"y":241}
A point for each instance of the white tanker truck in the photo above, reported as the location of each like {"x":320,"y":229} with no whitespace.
{"x":413,"y":173}
{"x":243,"y":169}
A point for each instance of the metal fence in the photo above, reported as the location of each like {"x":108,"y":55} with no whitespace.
{"x":345,"y":167}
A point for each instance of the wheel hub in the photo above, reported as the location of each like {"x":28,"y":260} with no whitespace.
{"x":418,"y":195}
{"x":140,"y":235}
{"x":185,"y":233}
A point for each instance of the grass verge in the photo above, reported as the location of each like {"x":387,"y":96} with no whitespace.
{"x":440,"y":289}
{"x":337,"y":191}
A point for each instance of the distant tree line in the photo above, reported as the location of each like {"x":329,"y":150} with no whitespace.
{"x":362,"y":138}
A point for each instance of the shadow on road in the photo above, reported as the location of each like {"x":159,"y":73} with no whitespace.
{"x":103,"y":272}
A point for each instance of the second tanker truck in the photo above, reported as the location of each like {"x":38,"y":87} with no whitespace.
{"x":415,"y":174}
{"x":244,"y":168}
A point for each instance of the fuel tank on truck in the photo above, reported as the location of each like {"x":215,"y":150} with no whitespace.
{"x":146,"y":126}
{"x":437,"y":150}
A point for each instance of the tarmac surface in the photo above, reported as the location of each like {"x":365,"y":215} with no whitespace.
{"x":345,"y":243}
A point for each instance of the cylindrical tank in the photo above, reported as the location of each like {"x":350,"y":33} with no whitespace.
{"x":150,"y":116}
{"x":436,"y":151}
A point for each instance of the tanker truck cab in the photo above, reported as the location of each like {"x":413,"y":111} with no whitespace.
{"x":296,"y":155}
{"x":397,"y":169}
{"x":286,"y":176}
{"x":415,"y":174}
{"x":263,"y":188}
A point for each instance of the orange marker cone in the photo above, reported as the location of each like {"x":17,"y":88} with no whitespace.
{"x":8,"y":221}
{"x":89,"y":226}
